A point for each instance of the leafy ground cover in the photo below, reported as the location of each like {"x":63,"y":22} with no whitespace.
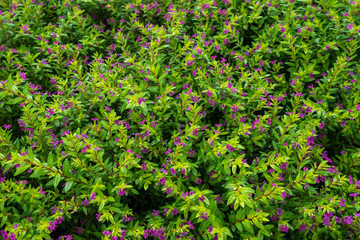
{"x":179,"y":120}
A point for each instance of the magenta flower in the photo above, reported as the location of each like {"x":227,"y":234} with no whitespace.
{"x":143,"y":166}
{"x":284,"y":228}
{"x":349,"y":220}
{"x":342,"y":202}
{"x":85,"y":202}
{"x":155,"y":213}
{"x":303,"y":227}
{"x":92,"y":197}
{"x":230,"y":148}
{"x":106,"y":233}
{"x":235,"y":108}
{"x":169,"y":191}
{"x":218,"y":199}
{"x":98,"y":215}
{"x":210,"y":229}
{"x":122,"y":191}
{"x":7,"y":126}
{"x":162,"y":181}
{"x":283,"y":166}
{"x":22,"y":154}
{"x":204,"y":216}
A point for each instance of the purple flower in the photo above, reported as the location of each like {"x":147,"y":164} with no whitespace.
{"x":123,"y":233}
{"x":162,"y":181}
{"x":122,"y":191}
{"x":169,"y":191}
{"x":235,"y":108}
{"x":230,"y":148}
{"x":155,"y":213}
{"x":218,"y":199}
{"x":327,"y":217}
{"x":303,"y":227}
{"x":22,"y":154}
{"x":283,"y":166}
{"x":210,"y":229}
{"x":349,"y":220}
{"x":204,"y":216}
{"x":85,"y":202}
{"x":198,"y":181}
{"x":284,"y":228}
{"x":342,"y":202}
{"x":106,"y":233}
{"x":93,"y":197}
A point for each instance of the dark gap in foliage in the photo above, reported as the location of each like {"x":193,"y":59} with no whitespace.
{"x":214,"y":116}
{"x":246,"y":36}
{"x":70,"y":226}
{"x":12,"y":119}
{"x":63,"y":229}
{"x":146,"y":201}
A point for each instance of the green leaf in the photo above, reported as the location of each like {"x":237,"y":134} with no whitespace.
{"x":30,"y":154}
{"x":7,"y":167}
{"x":66,"y":168}
{"x":57,"y":180}
{"x":102,"y":204}
{"x":162,"y":78}
{"x":248,"y":226}
{"x":22,"y":168}
{"x":50,"y":159}
{"x":15,"y":100}
{"x":153,"y":89}
{"x":68,"y":186}
{"x":258,"y":224}
{"x":85,"y":210}
{"x":265,"y":232}
{"x":228,"y":232}
{"x":38,"y":172}
{"x":3,"y":221}
{"x":239,"y":227}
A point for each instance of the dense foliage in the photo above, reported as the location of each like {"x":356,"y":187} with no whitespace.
{"x":187,"y":120}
